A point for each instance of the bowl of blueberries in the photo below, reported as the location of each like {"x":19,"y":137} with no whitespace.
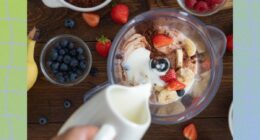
{"x":65,"y":60}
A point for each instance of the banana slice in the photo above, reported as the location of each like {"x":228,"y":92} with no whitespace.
{"x":185,"y":75}
{"x":189,"y":47}
{"x":179,"y":59}
{"x":158,"y":88}
{"x":167,"y":96}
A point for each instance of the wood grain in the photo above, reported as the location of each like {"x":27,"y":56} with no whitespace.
{"x":46,"y":99}
{"x":174,"y":4}
{"x":208,"y":129}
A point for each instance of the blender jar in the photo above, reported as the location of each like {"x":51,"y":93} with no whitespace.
{"x":210,"y":42}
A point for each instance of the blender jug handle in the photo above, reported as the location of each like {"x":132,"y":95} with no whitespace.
{"x":218,"y":40}
{"x":95,"y":90}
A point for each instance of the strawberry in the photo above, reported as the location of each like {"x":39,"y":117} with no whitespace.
{"x":161,"y":40}
{"x":230,"y":43}
{"x":169,"y":76}
{"x":103,"y":45}
{"x":91,"y":19}
{"x":190,"y":132}
{"x":119,"y":13}
{"x":175,"y":85}
{"x":190,"y":3}
{"x":201,"y":6}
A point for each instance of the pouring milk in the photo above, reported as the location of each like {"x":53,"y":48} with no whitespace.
{"x":121,"y":113}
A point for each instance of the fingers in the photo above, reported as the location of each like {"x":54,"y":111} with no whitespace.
{"x":78,"y":133}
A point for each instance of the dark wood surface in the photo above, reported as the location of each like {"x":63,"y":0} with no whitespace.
{"x":46,"y":99}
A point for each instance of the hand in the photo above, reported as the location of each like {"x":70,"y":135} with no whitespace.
{"x":78,"y":133}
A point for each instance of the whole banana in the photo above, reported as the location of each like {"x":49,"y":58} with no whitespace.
{"x":32,"y":69}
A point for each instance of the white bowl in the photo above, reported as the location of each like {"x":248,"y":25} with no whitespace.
{"x":230,"y":119}
{"x":63,"y":3}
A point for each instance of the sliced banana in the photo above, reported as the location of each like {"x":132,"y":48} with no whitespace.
{"x":185,"y":75}
{"x":167,"y":96}
{"x":158,"y":88}
{"x":179,"y":59}
{"x":189,"y":47}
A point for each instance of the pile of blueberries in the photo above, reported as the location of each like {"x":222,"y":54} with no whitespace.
{"x":67,"y":61}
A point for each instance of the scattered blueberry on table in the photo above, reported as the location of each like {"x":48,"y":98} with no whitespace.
{"x":67,"y":61}
{"x":69,"y":23}
{"x":67,"y":104}
{"x":43,"y":120}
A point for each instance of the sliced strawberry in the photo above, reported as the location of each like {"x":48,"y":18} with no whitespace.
{"x":91,"y":19}
{"x":175,"y":85}
{"x":169,"y":76}
{"x":161,"y":40}
{"x":190,"y":132}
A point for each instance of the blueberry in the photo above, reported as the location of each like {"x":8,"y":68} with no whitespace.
{"x":160,"y":65}
{"x":187,"y":100}
{"x":63,"y":67}
{"x":62,"y":51}
{"x":54,"y":55}
{"x":71,"y":45}
{"x":61,"y":79}
{"x":81,"y":57}
{"x":67,"y":104}
{"x":64,"y":43}
{"x":180,"y":92}
{"x":43,"y":120}
{"x":66,"y":77}
{"x":66,"y":59}
{"x":49,"y":63}
{"x":80,"y":50}
{"x":126,"y":67}
{"x":60,"y":58}
{"x":79,"y":72}
{"x":55,"y":66}
{"x":93,"y":72}
{"x":66,"y":50}
{"x":73,"y":52}
{"x":59,"y":74}
{"x":69,"y":23}
{"x":55,"y":71}
{"x":74,"y":62}
{"x":82,"y":65}
{"x":73,"y":76}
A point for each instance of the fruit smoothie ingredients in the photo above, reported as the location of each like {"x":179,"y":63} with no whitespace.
{"x":230,"y":43}
{"x":169,"y":63}
{"x":103,"y":46}
{"x":91,"y":19}
{"x":67,"y":61}
{"x":190,"y":132}
{"x":85,"y":3}
{"x":120,"y":13}
{"x":203,"y":6}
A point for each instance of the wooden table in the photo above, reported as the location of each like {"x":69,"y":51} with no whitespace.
{"x":46,"y":99}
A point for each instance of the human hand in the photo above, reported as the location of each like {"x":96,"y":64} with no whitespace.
{"x":78,"y":133}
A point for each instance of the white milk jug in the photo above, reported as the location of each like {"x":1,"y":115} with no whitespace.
{"x":122,"y":113}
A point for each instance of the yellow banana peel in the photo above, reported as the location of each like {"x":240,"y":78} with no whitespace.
{"x":32,"y":69}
